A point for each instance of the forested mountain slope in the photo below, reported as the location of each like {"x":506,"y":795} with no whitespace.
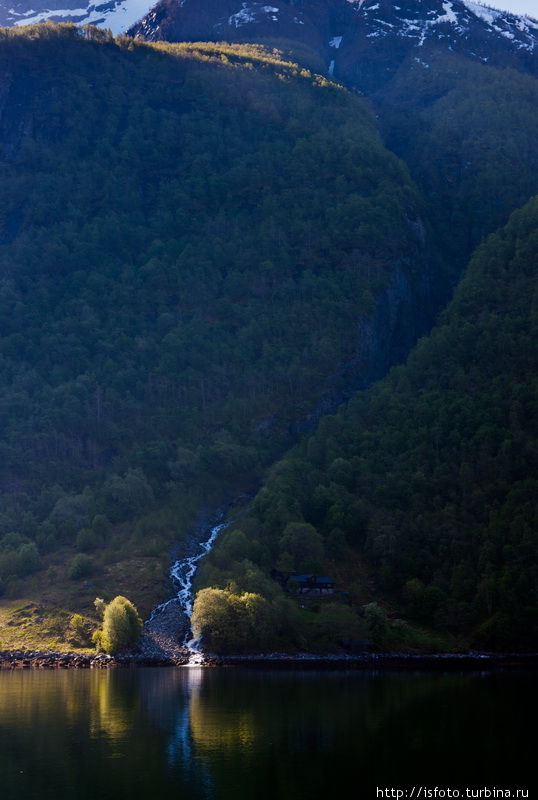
{"x":466,"y":132}
{"x":204,"y":248}
{"x":453,"y":84}
{"x":429,"y":477}
{"x":195,"y":242}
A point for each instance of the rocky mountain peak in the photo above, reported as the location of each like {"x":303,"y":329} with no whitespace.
{"x":360,"y":41}
{"x":117,"y":15}
{"x":451,"y":20}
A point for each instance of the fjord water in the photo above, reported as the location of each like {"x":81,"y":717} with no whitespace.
{"x":240,"y":733}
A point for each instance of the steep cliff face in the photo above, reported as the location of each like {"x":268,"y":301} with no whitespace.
{"x":403,"y":310}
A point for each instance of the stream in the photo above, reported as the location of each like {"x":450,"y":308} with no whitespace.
{"x":167,"y":632}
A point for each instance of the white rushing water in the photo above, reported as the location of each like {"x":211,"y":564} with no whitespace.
{"x":182,"y":573}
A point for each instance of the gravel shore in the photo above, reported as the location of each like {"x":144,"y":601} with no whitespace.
{"x":37,"y":659}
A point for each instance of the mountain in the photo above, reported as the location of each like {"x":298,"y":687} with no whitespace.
{"x":423,"y":489}
{"x":447,"y":80}
{"x":202,"y":250}
{"x":420,"y":495}
{"x":465,"y":131}
{"x":116,"y":15}
{"x":362,"y":42}
{"x":205,"y":248}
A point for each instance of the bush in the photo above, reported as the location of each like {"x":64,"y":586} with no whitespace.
{"x":12,"y":541}
{"x":305,"y":545}
{"x":28,"y":559}
{"x":70,"y":512}
{"x":9,"y":563}
{"x":337,"y":625}
{"x":122,"y":626}
{"x":20,"y":562}
{"x":230,"y":622}
{"x":100,"y":606}
{"x":80,"y":567}
{"x":87,"y":540}
{"x":336,"y":543}
{"x":76,"y":631}
{"x":422,"y":602}
{"x":101,"y":526}
{"x":378,"y":625}
{"x":46,"y":538}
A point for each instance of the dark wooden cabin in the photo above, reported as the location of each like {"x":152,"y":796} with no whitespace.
{"x":312,"y":585}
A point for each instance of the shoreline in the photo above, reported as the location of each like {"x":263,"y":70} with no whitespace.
{"x":388,"y":661}
{"x":47,"y":659}
{"x":42,"y":659}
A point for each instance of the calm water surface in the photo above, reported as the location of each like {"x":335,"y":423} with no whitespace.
{"x":260,"y":734}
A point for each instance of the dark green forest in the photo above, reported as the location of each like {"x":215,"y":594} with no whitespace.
{"x":189,"y":235}
{"x":204,"y":250}
{"x":466,"y":131}
{"x":430,"y":476}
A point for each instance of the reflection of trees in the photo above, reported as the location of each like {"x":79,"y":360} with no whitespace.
{"x":95,"y":700}
{"x":277,"y":732}
{"x":242,"y":709}
{"x":217,"y":728}
{"x":222,"y":734}
{"x":58,"y":728}
{"x":109,"y":713}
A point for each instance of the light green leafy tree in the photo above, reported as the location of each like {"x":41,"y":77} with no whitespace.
{"x":122,"y":626}
{"x":230,"y":622}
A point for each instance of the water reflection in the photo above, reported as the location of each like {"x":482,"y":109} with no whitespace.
{"x":231,"y":733}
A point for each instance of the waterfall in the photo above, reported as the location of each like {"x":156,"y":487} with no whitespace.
{"x":182,"y":573}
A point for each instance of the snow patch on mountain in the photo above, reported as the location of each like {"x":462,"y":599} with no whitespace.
{"x":242,"y":17}
{"x":448,"y":16}
{"x":117,"y":15}
{"x":251,"y":14}
{"x":422,"y":21}
{"x":503,"y":21}
{"x":489,"y":15}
